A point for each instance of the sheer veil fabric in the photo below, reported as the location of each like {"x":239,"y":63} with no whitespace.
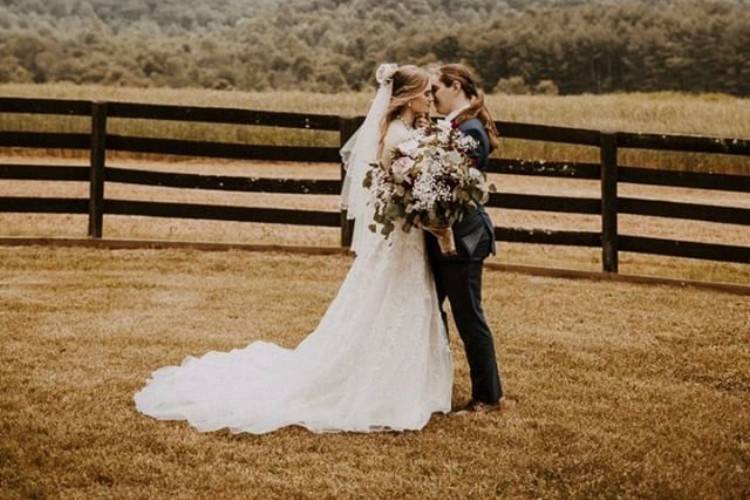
{"x":357,"y":154}
{"x":379,"y":358}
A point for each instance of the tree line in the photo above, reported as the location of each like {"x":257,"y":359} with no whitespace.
{"x":517,"y":46}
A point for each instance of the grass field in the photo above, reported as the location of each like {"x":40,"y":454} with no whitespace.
{"x":622,"y":390}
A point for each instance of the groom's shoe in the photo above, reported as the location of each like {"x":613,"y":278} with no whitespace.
{"x":475,"y":407}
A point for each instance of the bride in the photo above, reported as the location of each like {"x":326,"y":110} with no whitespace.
{"x":378,"y":360}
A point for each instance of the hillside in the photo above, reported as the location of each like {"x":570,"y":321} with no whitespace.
{"x":332,"y":45}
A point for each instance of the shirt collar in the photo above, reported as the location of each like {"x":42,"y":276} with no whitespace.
{"x":452,"y":116}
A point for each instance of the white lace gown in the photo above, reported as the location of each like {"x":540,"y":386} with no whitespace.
{"x":378,"y":360}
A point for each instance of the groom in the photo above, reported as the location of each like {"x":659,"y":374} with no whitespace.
{"x":459,"y":277}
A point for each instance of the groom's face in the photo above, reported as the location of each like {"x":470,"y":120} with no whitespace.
{"x":443,"y":96}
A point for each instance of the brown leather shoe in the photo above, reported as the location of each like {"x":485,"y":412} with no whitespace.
{"x":477,"y":407}
{"x":481,"y":407}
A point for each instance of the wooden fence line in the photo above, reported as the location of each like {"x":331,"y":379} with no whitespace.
{"x":608,"y":172}
{"x":547,"y":133}
{"x":27,"y":205}
{"x":219,"y":212}
{"x":222,"y":182}
{"x":591,"y":171}
{"x":181,"y":147}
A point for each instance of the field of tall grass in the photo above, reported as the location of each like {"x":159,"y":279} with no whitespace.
{"x":664,"y":112}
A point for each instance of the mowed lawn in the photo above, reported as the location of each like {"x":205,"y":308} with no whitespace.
{"x":621,"y":390}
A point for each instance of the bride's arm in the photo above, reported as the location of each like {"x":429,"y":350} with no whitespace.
{"x":395,"y":135}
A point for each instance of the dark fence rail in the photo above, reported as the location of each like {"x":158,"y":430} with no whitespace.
{"x":549,"y":133}
{"x":24,"y":204}
{"x":43,"y":172}
{"x":544,"y":168}
{"x":690,"y":211}
{"x":223,"y":115}
{"x":607,"y":172}
{"x":218,"y":212}
{"x":545,"y":203}
{"x":221,"y":182}
{"x":686,"y":143}
{"x":222,"y":149}
{"x":549,"y":237}
{"x":45,"y":106}
{"x":691,"y":249}
{"x":696,"y":180}
{"x":44,"y":140}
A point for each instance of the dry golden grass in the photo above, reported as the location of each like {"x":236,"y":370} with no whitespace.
{"x":623,"y":390}
{"x":663,"y":112}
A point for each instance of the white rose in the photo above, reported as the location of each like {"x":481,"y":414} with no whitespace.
{"x":401,"y":167}
{"x":454,"y":157}
{"x":444,"y":125}
{"x":409,"y":148}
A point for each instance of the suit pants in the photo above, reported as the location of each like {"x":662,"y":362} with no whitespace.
{"x":460,"y":280}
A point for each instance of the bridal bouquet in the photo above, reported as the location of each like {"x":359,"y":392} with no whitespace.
{"x":431,"y":183}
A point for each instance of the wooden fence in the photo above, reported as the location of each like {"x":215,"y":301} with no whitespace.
{"x":607,"y":172}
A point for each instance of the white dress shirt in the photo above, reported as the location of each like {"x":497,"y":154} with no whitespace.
{"x":451,"y":116}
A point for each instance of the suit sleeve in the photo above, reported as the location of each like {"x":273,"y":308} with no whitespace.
{"x":478,"y":154}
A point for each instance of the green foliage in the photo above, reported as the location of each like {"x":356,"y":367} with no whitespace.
{"x":513,"y":85}
{"x":530,"y":46}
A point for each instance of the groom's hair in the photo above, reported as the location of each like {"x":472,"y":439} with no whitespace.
{"x":469,"y":82}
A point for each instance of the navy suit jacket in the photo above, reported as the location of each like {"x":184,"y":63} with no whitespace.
{"x":475,"y":227}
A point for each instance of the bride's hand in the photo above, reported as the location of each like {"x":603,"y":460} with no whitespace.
{"x":422,"y":121}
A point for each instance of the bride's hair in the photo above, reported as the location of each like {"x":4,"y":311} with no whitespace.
{"x":408,"y":82}
{"x":470,"y":85}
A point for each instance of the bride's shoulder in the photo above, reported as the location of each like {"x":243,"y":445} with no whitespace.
{"x":396,"y":132}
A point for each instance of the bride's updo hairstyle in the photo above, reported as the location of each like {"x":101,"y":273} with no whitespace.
{"x":408,"y":83}
{"x":470,"y":85}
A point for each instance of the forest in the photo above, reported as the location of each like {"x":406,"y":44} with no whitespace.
{"x":518,"y":47}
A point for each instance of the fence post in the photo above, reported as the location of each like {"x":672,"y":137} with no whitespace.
{"x":608,"y":151}
{"x":96,"y":170}
{"x":347,"y":128}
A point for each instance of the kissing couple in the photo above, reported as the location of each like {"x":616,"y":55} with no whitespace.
{"x":380,"y":357}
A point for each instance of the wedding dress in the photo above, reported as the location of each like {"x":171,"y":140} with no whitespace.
{"x":378,"y":360}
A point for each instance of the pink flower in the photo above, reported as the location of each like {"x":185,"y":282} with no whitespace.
{"x":401,"y":167}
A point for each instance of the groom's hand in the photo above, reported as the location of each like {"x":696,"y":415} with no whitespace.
{"x":437,"y":231}
{"x":444,"y":235}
